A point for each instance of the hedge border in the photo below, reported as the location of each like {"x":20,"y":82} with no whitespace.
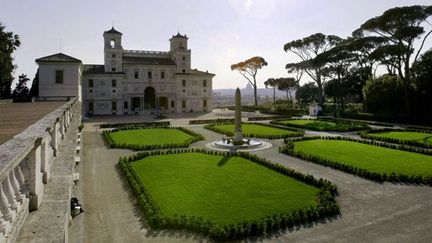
{"x":207,"y":121}
{"x":109,"y":141}
{"x":365,"y":135}
{"x":297,"y":132}
{"x":375,"y":176}
{"x":278,"y":122}
{"x":326,"y":203}
{"x":135,"y":124}
{"x":266,"y":118}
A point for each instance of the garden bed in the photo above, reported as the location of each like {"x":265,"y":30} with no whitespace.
{"x":225,"y":196}
{"x":322,"y":125}
{"x":410,"y":137}
{"x":147,"y":138}
{"x":364,"y":158}
{"x":257,"y":130}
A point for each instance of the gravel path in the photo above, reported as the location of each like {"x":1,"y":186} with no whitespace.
{"x":371,"y":212}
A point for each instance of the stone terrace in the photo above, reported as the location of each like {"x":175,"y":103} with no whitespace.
{"x":16,"y":117}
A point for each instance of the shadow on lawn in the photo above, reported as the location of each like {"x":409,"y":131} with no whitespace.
{"x":223,"y":161}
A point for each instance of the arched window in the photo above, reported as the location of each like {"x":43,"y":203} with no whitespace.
{"x":112,"y":43}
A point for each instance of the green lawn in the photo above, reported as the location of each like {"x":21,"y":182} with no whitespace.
{"x":319,"y":125}
{"x":425,"y":138}
{"x":369,"y":157}
{"x":220,"y":189}
{"x":150,"y":136}
{"x":255,"y":129}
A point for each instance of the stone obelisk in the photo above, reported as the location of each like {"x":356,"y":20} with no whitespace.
{"x":238,"y":134}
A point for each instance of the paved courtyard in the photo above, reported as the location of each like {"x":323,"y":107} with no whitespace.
{"x":16,"y":117}
{"x":371,"y":212}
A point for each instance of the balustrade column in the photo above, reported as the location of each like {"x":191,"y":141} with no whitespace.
{"x":16,"y":187}
{"x":35,"y":182}
{"x":10,"y":194}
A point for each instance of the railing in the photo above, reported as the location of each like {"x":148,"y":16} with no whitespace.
{"x":25,"y":163}
{"x":146,"y":52}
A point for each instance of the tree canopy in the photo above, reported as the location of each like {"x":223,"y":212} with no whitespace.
{"x":249,"y":70}
{"x":8,"y":44}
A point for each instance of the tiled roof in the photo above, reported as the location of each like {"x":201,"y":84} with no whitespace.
{"x":59,"y":57}
{"x":97,"y":69}
{"x":148,"y":60}
{"x":113,"y":31}
{"x":196,"y":72}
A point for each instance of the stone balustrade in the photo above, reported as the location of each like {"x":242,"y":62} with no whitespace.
{"x":25,"y":163}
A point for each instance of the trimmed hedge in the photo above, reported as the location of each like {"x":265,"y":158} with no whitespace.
{"x":336,"y":129}
{"x":380,"y":177}
{"x":206,"y":121}
{"x":265,"y":118}
{"x":109,"y":141}
{"x":326,"y":207}
{"x":347,"y":120}
{"x":365,"y":135}
{"x":135,"y":124}
{"x":297,"y":132}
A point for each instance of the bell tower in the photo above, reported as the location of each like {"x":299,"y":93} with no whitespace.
{"x":113,"y":51}
{"x":180,"y":53}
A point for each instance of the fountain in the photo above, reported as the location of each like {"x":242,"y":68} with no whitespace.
{"x":238,"y":142}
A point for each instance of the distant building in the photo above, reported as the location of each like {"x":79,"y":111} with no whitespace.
{"x":129,"y":81}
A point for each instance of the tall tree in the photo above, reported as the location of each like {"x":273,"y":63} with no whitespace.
{"x":307,"y":49}
{"x":21,"y":92}
{"x":8,"y":44}
{"x":249,"y":70}
{"x":272,"y":83}
{"x":286,"y":84}
{"x":400,"y":27}
{"x":307,"y":93}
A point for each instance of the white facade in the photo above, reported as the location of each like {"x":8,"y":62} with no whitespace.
{"x":133,"y":81}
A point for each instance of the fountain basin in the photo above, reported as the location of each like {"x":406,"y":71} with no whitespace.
{"x":248,"y":145}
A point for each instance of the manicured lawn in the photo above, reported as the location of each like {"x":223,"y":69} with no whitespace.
{"x":223,"y":190}
{"x":256,"y":129}
{"x":319,"y":125}
{"x":151,"y":136}
{"x":369,"y":157}
{"x":425,"y":138}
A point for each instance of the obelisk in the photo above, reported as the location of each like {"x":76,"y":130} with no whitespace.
{"x":238,"y":134}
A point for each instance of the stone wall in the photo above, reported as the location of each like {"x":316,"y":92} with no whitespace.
{"x":25,"y":167}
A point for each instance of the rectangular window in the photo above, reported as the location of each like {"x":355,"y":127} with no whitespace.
{"x":184,"y":83}
{"x":90,"y":107}
{"x":113,"y":55}
{"x":162,"y":75}
{"x":114,"y":106}
{"x":149,"y":75}
{"x":205,"y":103}
{"x":136,"y":74}
{"x":59,"y":76}
{"x":90,"y":83}
{"x":184,"y":104}
{"x":183,"y":70}
{"x":172,"y":104}
{"x":125,"y":105}
{"x":113,"y":69}
{"x":204,"y":83}
{"x":113,"y":83}
{"x":183,"y":58}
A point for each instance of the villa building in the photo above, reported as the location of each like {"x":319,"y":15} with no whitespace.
{"x":129,"y":81}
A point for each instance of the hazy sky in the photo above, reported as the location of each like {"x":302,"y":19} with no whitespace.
{"x":220,"y":32}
